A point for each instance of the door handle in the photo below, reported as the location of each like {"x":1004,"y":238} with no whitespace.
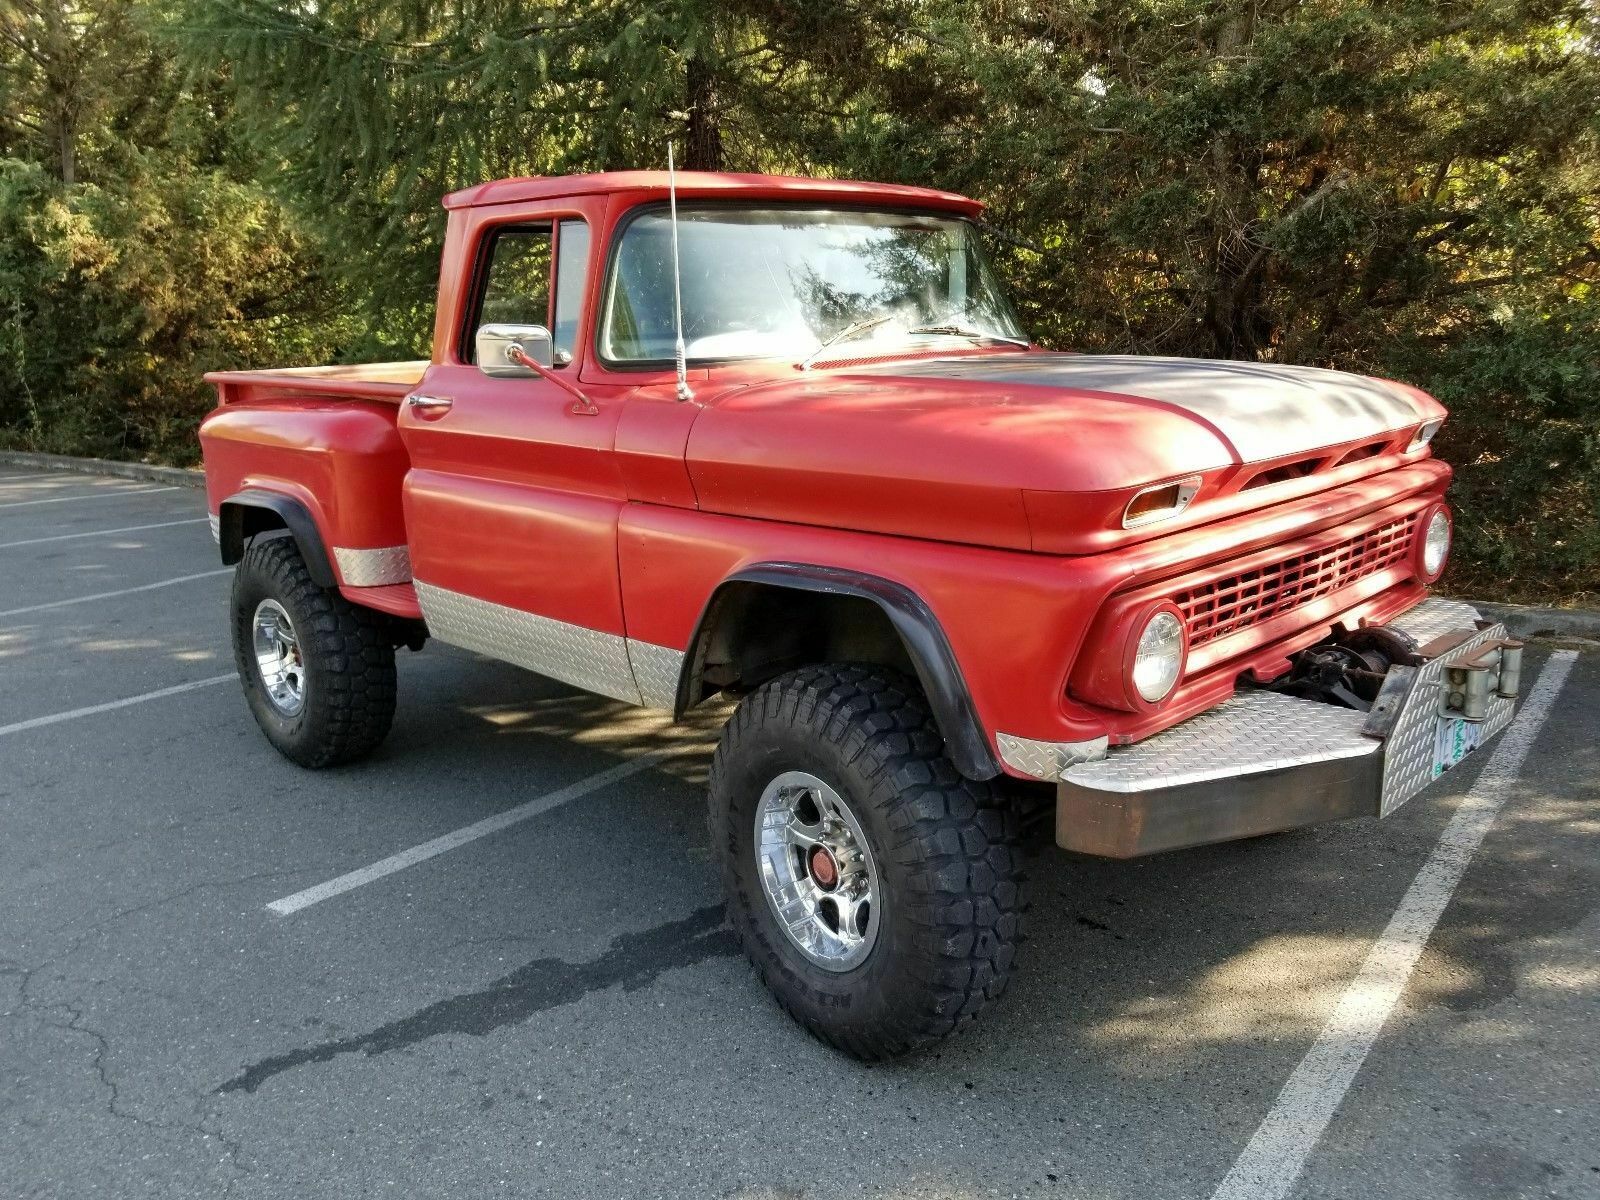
{"x":429,"y":406}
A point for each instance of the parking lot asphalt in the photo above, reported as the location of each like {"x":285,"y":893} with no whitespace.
{"x":556,"y":1009}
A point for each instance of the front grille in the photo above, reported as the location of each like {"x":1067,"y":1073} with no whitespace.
{"x":1222,"y":606}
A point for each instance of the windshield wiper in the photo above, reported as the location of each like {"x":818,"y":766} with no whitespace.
{"x":849,"y":331}
{"x":976,"y":335}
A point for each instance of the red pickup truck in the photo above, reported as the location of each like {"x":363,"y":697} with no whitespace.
{"x":945,"y":573}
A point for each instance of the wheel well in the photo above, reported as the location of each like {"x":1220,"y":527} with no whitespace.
{"x":775,"y":617}
{"x":258,"y":520}
{"x":252,"y":513}
{"x":755,"y":632}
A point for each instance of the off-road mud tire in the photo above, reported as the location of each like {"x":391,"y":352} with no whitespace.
{"x":946,"y":849}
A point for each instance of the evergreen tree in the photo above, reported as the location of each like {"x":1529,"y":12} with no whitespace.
{"x":1405,"y":187}
{"x":1408,"y":187}
{"x":137,"y":247}
{"x":376,"y":107}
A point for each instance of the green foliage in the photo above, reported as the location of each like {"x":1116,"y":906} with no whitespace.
{"x":373,"y":110}
{"x":113,"y":302}
{"x":1523,"y":386}
{"x":1405,"y":187}
{"x":138,"y":246}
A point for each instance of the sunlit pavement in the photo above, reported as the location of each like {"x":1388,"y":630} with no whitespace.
{"x":555,"y":1009}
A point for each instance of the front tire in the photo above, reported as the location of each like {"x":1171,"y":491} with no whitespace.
{"x":876,"y":891}
{"x":318,"y":672}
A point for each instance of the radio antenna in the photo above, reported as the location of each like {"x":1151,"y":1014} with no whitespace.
{"x":677,"y":283}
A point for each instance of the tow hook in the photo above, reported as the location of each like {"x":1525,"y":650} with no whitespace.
{"x":1492,"y":669}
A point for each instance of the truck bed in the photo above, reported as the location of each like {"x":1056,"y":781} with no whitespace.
{"x":388,"y":382}
{"x":326,"y":437}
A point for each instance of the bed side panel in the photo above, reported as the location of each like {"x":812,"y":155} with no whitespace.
{"x":342,"y":458}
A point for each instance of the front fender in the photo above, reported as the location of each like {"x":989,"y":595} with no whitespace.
{"x":912,"y":620}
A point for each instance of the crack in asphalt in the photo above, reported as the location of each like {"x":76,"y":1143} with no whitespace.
{"x":633,"y":960}
{"x":76,"y":1022}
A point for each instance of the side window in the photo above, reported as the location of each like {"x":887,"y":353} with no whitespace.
{"x":518,"y":280}
{"x":516,"y":287}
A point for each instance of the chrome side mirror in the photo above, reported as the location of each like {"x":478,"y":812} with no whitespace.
{"x":494,"y":343}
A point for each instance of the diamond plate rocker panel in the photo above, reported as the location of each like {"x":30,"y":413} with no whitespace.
{"x":656,"y":670}
{"x":585,"y":658}
{"x":373,"y":568}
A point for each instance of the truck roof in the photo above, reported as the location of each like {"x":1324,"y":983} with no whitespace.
{"x":704,"y":184}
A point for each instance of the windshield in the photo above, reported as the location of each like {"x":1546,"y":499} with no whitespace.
{"x":778,"y":282}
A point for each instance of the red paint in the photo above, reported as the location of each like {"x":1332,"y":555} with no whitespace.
{"x":645,"y":186}
{"x":342,"y":458}
{"x":999,"y":505}
{"x":396,"y":599}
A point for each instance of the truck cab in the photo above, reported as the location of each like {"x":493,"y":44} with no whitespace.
{"x":951,"y":578}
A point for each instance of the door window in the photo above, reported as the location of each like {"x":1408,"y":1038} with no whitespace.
{"x":535,"y":276}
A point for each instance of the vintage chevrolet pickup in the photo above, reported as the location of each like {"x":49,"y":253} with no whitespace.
{"x":784,"y":440}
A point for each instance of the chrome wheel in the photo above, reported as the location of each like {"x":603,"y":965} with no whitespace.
{"x":278,"y":658}
{"x":817,"y":870}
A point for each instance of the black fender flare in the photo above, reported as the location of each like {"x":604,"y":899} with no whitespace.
{"x":912,"y":620}
{"x":235,"y":526}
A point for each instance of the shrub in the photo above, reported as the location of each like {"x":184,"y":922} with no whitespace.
{"x":115,"y":300}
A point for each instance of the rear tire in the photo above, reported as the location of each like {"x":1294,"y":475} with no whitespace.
{"x":857,"y":744}
{"x":318,"y":672}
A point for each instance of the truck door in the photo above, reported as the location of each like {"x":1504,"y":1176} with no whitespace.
{"x":513,"y":498}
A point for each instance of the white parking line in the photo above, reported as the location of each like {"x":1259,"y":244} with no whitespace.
{"x":104,"y":494}
{"x":57,"y":718}
{"x":467,"y":833}
{"x":1275,"y":1155}
{"x":144,"y":587}
{"x":67,"y":537}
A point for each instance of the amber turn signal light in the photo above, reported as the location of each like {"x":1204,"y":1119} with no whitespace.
{"x":1160,"y":502}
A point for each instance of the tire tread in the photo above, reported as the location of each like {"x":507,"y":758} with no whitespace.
{"x":957,"y":839}
{"x":350,"y":649}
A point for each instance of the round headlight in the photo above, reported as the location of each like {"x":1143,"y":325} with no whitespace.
{"x":1158,"y":659}
{"x":1435,"y":544}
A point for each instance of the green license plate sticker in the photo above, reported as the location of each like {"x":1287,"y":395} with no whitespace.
{"x":1453,"y":740}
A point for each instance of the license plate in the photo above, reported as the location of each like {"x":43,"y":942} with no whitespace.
{"x":1453,"y":740}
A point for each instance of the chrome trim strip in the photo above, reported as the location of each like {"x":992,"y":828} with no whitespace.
{"x":215,"y":522}
{"x":656,"y":670}
{"x":373,"y":568}
{"x":586,"y":658}
{"x":1047,"y":760}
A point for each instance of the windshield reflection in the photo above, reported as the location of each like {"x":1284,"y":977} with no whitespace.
{"x":782,"y":282}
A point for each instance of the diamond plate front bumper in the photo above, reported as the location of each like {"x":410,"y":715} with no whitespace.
{"x":1264,"y":762}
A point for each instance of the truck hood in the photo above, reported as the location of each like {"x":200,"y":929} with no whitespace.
{"x":952,"y":448}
